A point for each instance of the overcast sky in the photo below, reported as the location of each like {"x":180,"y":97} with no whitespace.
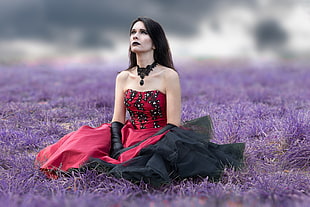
{"x":36,"y":29}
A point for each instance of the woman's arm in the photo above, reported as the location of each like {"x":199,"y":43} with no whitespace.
{"x":173,"y":95}
{"x":119,"y":106}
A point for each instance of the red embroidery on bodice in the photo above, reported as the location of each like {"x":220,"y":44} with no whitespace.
{"x":147,"y":109}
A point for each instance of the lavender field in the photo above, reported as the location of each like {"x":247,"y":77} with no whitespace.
{"x":267,"y":107}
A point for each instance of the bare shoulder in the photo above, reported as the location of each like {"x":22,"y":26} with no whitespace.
{"x":170,"y":74}
{"x":122,"y":76}
{"x":171,"y":79}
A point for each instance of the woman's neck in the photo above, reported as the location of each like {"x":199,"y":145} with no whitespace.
{"x":144,"y":59}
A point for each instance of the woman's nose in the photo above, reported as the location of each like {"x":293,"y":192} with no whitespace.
{"x":135,"y":36}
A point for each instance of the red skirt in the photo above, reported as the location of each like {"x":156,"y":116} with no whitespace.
{"x":76,"y":148}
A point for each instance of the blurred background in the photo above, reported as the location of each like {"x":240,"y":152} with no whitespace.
{"x":81,"y":31}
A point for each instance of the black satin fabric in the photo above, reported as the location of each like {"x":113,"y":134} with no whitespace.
{"x":181,"y":153}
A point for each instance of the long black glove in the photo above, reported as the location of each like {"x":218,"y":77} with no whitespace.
{"x":116,"y":138}
{"x":115,"y":153}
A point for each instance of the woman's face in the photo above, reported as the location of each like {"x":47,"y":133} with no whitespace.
{"x":140,"y":40}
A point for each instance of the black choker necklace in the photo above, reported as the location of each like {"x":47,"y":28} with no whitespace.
{"x":142,"y":72}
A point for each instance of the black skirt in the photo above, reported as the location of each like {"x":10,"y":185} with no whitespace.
{"x":182,"y":153}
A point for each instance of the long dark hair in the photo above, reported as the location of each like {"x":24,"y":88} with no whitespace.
{"x":162,"y":54}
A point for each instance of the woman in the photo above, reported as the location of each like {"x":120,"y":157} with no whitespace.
{"x":152,"y":145}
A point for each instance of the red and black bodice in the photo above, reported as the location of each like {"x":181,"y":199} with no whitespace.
{"x":147,"y":109}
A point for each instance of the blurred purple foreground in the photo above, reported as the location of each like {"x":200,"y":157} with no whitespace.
{"x":267,"y":107}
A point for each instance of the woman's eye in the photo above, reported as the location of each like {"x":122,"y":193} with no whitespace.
{"x":142,"y":32}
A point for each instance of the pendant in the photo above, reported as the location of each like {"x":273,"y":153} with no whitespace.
{"x":141,"y":82}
